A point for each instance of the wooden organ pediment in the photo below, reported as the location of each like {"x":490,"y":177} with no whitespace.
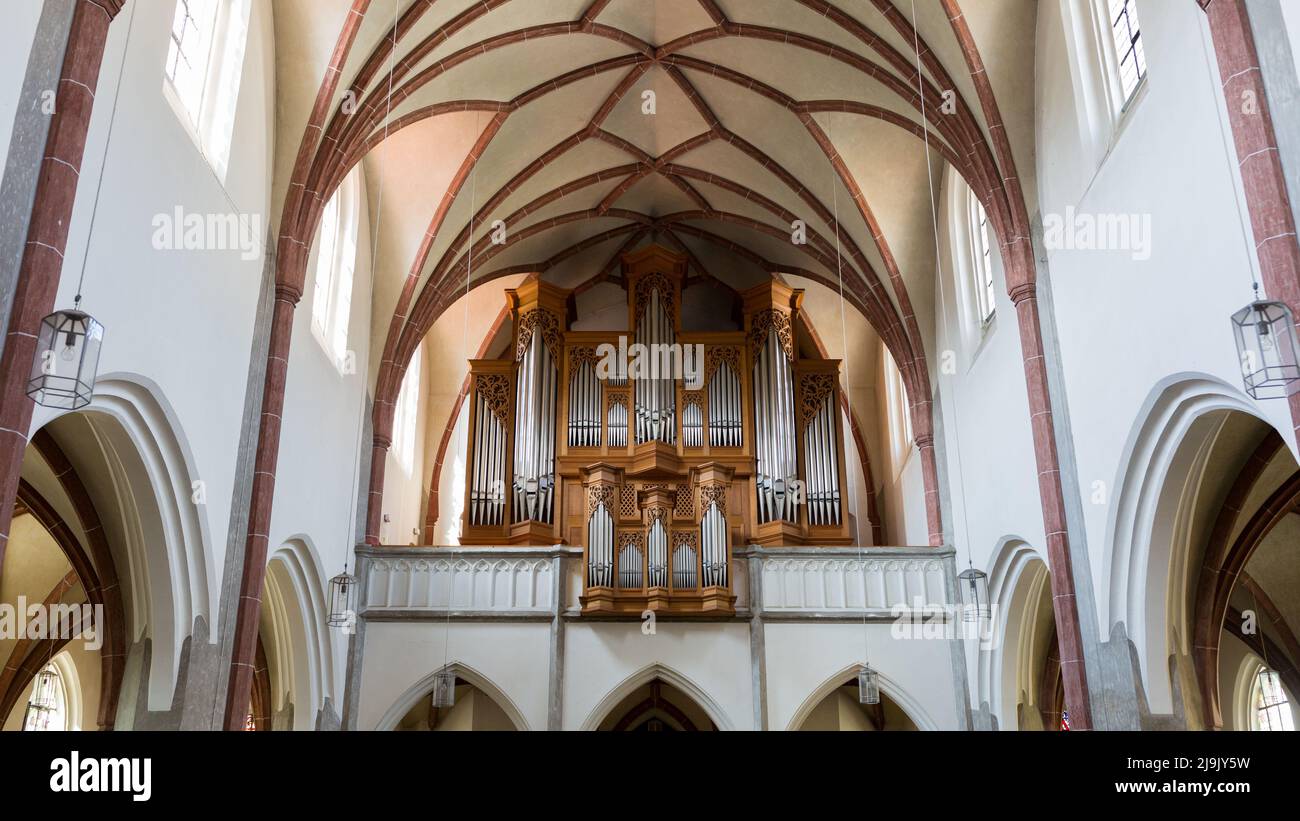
{"x":657,"y":449}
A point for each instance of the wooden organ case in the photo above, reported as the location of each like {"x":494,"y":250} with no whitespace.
{"x":656,"y":449}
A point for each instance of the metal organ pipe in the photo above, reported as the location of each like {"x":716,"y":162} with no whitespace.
{"x":535,"y":406}
{"x":488,"y":470}
{"x":821,"y":454}
{"x":713,"y":541}
{"x":724,"y":408}
{"x":658,"y":546}
{"x":684,"y":567}
{"x":775,"y":433}
{"x":617,"y":424}
{"x":584,"y":408}
{"x":600,"y":548}
{"x":656,"y":399}
{"x":629,"y":567}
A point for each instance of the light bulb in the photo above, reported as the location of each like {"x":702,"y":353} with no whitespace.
{"x":68,"y":353}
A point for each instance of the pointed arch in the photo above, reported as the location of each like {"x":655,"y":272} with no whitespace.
{"x":139,"y":467}
{"x":408,"y":699}
{"x":668,"y":675}
{"x":909,"y":705}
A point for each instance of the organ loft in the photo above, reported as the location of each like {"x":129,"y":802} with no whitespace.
{"x":729,"y":435}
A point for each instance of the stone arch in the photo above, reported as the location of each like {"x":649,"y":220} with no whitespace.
{"x":1017,"y":569}
{"x":1156,"y":494}
{"x":388,"y":721}
{"x":888,"y":687}
{"x":130,"y":450}
{"x":648,"y":674}
{"x":300,"y":649}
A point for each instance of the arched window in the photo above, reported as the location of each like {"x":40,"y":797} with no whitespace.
{"x":407,"y":411}
{"x":205,"y":63}
{"x":1130,"y":57}
{"x":900,"y":418}
{"x":981,"y":260}
{"x":1270,"y":707}
{"x":336,"y":259}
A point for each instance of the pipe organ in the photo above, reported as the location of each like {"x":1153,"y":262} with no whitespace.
{"x":658,"y":448}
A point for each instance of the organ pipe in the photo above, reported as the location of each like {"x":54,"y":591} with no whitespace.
{"x":692,"y":425}
{"x":535,"y":406}
{"x":584,"y":407}
{"x":724,"y":408}
{"x":713,"y":544}
{"x":617,"y":424}
{"x":656,"y":395}
{"x":629,"y":566}
{"x":684,"y":559}
{"x":487,"y":478}
{"x":821,"y":460}
{"x":774,"y":431}
{"x":600,"y":548}
{"x":658,"y":554}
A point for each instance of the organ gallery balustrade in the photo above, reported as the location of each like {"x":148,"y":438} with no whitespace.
{"x":659,"y":448}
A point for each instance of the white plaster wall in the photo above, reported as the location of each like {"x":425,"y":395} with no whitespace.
{"x":514,"y":658}
{"x":1127,"y":324}
{"x":607,"y":658}
{"x":806,"y":661}
{"x":181,"y":320}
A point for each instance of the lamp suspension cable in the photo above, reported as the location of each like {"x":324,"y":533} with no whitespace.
{"x":356,"y":489}
{"x":938,"y":263}
{"x":444,"y":692}
{"x":103,"y":163}
{"x":848,"y":381}
{"x":972,"y":583}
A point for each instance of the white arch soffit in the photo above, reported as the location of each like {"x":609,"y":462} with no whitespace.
{"x":1243,"y":689}
{"x":423,"y":687}
{"x":277,"y":640}
{"x":1138,"y":582}
{"x":646,"y":675}
{"x":1012,"y":558}
{"x":178,"y":583}
{"x":305,"y":603}
{"x":913,"y":708}
{"x":73,"y":696}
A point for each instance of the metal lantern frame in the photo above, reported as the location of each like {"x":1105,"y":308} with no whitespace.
{"x":44,"y":698}
{"x":444,"y":688}
{"x":868,"y":685}
{"x":1267,"y":349}
{"x":66,"y":361}
{"x":342,"y":591}
{"x":974,"y":595}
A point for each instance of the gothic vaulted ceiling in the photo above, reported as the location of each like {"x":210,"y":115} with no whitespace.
{"x":585,"y":128}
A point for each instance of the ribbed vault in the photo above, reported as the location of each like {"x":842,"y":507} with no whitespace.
{"x":586,"y":128}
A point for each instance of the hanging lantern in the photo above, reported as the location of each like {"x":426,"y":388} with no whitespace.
{"x":342,"y":592}
{"x":67,"y":359}
{"x":1267,"y":349}
{"x":868,"y":685}
{"x":44,"y":699}
{"x":444,"y":689}
{"x":974,"y":595}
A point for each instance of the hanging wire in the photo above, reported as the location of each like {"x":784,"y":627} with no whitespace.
{"x":938,"y":261}
{"x":374,"y":262}
{"x":848,"y":380}
{"x":469,"y":272}
{"x":103,"y":163}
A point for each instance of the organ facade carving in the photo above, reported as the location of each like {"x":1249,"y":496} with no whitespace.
{"x":657,"y":449}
